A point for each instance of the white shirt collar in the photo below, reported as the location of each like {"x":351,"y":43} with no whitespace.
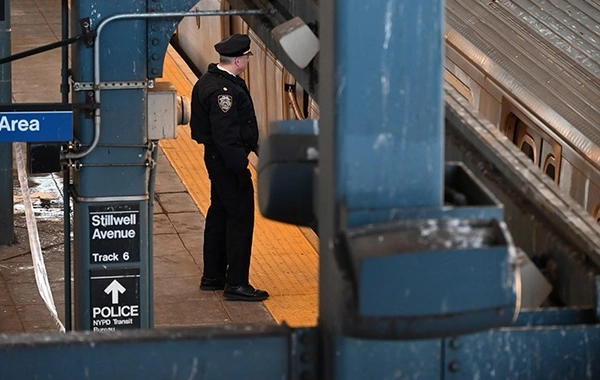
{"x":227,"y":71}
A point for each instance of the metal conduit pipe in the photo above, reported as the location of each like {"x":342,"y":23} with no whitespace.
{"x":290,"y":89}
{"x":151,"y":181}
{"x":294,"y":103}
{"x":103,"y":23}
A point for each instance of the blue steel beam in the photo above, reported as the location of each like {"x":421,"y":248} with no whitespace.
{"x":112,"y":244}
{"x":261,"y":352}
{"x":381,"y":128}
{"x":391,"y":255}
{"x":227,"y":352}
{"x":7,"y":229}
{"x":123,"y":141}
{"x":550,"y":353}
{"x":567,"y":352}
{"x":386,"y":82}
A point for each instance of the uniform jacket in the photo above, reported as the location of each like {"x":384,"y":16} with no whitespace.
{"x":223,"y":116}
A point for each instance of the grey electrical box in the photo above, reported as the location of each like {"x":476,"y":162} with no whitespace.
{"x":162,"y":111}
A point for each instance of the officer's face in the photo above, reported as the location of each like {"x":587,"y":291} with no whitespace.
{"x":242,"y":62}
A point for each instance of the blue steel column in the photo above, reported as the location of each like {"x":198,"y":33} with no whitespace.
{"x":381,"y":134}
{"x":113,"y":178}
{"x":7,"y":230}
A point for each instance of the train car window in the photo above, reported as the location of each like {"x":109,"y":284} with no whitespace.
{"x":552,"y":150}
{"x":550,"y":167}
{"x":533,"y":139}
{"x":528,"y":148}
{"x":526,"y":138}
{"x":508,"y":127}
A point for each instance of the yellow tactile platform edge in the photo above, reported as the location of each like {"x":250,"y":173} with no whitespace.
{"x":283,"y":260}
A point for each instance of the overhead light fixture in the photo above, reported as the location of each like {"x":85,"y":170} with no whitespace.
{"x":297,"y":40}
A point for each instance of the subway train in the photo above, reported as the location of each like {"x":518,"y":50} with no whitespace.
{"x":532,"y":68}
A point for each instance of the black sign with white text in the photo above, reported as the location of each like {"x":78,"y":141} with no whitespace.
{"x":114,"y":234}
{"x":114,"y":299}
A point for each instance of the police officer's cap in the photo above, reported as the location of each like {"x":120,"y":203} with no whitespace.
{"x":235,"y":45}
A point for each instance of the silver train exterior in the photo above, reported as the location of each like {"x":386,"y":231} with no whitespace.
{"x":532,"y":68}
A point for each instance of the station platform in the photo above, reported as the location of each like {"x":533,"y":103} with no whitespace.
{"x":284,"y":261}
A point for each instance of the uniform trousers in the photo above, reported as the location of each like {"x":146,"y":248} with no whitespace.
{"x":229,"y":222}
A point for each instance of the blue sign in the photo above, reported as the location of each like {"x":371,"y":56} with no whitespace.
{"x":36,"y":126}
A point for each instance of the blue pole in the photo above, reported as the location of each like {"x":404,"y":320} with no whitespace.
{"x":381,"y":138}
{"x":113,"y":182}
{"x":110,"y":189}
{"x":7,"y":231}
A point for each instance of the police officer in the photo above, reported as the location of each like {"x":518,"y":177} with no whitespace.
{"x":223,"y":119}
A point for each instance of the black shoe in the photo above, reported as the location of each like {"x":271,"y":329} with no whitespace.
{"x":207,"y":283}
{"x":244,"y":293}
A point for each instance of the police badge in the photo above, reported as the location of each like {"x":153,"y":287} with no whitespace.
{"x":225,"y":102}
